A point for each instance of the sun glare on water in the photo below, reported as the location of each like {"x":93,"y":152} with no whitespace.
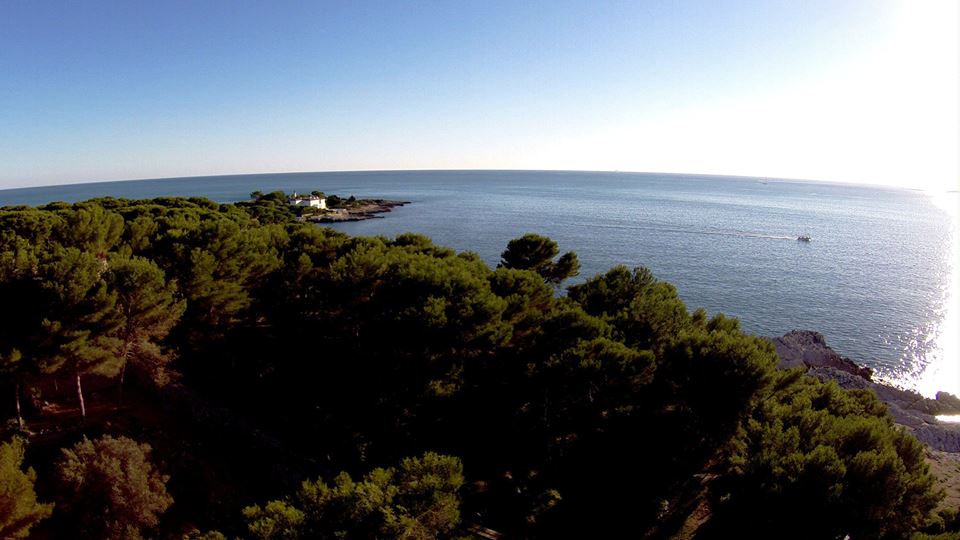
{"x":943,"y":367}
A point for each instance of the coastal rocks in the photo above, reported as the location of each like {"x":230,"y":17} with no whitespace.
{"x":356,"y":213}
{"x":949,"y":401}
{"x":809,"y":350}
{"x":805,"y":348}
{"x":907,"y":408}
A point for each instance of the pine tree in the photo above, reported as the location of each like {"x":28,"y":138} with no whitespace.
{"x":81,"y":318}
{"x":19,"y":509}
{"x":91,"y":228}
{"x":18,"y":326}
{"x":534,"y":252}
{"x":110,"y":488}
{"x":419,"y":500}
{"x":148,"y":310}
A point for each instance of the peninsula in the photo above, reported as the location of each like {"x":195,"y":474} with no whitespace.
{"x":318,"y":207}
{"x":352,"y":209}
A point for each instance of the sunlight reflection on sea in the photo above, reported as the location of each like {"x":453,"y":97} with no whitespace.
{"x":942,"y":368}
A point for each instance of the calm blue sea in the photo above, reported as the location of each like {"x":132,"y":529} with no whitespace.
{"x":874,"y":280}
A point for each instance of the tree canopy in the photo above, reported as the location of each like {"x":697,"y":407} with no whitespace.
{"x":19,"y":508}
{"x":262,"y":358}
{"x":419,"y":499}
{"x":111,"y":489}
{"x":536,"y":253}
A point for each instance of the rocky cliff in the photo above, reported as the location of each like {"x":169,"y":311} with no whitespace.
{"x":809,"y":350}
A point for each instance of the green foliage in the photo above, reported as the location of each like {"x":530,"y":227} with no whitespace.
{"x":27,"y":226}
{"x":646,"y":313}
{"x":275,"y":196}
{"x":612,"y":292}
{"x":269,"y":208}
{"x":80,"y":319}
{"x":20,"y":328}
{"x":534,"y":252}
{"x":219,"y":264}
{"x":19,"y":508}
{"x":715,"y":377}
{"x":277,"y":520}
{"x":416,"y":312}
{"x":335,"y":201}
{"x":90,"y":228}
{"x":148,"y":310}
{"x":11,"y":366}
{"x":417,"y":500}
{"x":586,"y":386}
{"x":528,"y":301}
{"x":418,"y":243}
{"x":110,"y":488}
{"x":603,"y":413}
{"x":813,"y":449}
{"x":209,"y":535}
{"x":139,"y":234}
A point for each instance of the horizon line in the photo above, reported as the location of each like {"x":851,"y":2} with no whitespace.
{"x":355,"y":171}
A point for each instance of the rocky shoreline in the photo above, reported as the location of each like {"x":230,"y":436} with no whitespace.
{"x":808,"y":350}
{"x":356,"y":213}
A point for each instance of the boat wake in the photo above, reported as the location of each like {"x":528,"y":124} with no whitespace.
{"x":708,"y":232}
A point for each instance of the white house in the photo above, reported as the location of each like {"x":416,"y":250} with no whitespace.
{"x":308,"y":200}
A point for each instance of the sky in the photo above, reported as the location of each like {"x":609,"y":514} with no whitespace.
{"x":838,"y":90}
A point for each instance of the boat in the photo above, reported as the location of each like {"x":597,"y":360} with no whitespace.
{"x":803,"y":238}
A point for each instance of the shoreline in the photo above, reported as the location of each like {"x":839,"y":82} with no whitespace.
{"x":358,"y":213}
{"x":808,"y":350}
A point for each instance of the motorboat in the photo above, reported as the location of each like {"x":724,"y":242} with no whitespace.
{"x":803,"y":238}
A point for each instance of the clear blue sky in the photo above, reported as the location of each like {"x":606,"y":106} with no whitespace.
{"x":862,"y":91}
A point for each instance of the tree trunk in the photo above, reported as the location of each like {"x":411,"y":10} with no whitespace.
{"x":19,"y":414}
{"x":127,"y":350}
{"x":123,"y":371}
{"x":83,"y":408}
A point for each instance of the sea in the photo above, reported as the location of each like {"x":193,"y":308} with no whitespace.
{"x":878,"y":278}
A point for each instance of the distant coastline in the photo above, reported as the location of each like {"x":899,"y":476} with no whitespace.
{"x":369,"y":210}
